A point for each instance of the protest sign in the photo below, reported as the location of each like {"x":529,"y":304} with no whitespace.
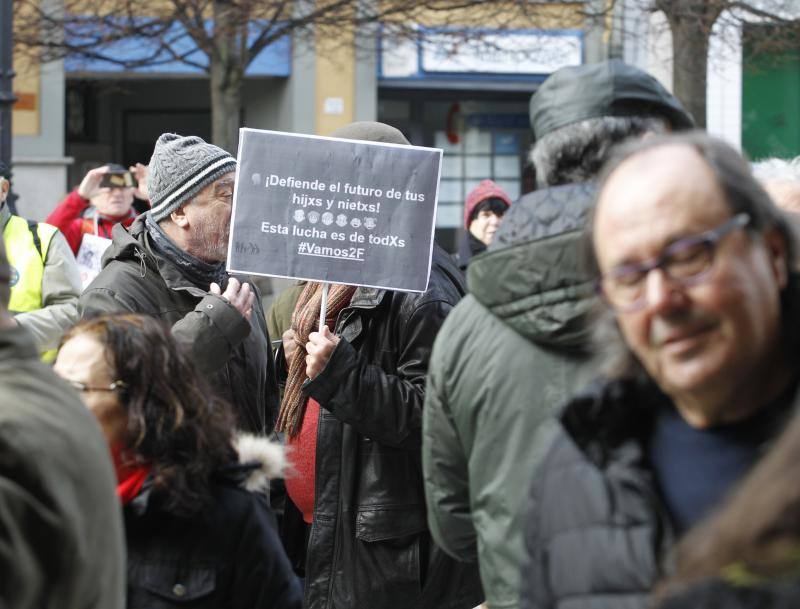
{"x":332,"y":210}
{"x":90,"y":256}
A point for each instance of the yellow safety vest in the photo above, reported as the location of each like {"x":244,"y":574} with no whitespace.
{"x":26,"y":248}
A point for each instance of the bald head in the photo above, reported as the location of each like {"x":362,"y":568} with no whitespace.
{"x":670,"y":177}
{"x":694,"y":259}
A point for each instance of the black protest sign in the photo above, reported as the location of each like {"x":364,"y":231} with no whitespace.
{"x":326,"y":209}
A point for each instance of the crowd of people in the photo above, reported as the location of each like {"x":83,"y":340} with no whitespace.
{"x":591,"y":406}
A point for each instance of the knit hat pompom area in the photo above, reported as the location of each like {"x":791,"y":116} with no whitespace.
{"x":181,"y":166}
{"x":487,"y":189}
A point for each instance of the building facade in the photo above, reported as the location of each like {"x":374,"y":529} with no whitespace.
{"x":467,"y":93}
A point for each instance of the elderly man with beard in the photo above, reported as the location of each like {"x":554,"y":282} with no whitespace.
{"x":170,"y":264}
{"x":694,"y":264}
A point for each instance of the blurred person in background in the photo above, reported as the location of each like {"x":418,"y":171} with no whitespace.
{"x":45,"y":280}
{"x":484,"y":208}
{"x":104,"y":198}
{"x":781,"y":180}
{"x":61,"y":537}
{"x":198,"y":527}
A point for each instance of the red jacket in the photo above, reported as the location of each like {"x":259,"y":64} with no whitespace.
{"x":68,"y":217}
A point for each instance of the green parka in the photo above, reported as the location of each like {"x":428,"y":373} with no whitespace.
{"x":506,"y":357}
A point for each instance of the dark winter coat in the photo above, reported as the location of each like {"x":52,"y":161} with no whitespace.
{"x":227,"y":555}
{"x":61,"y":539}
{"x":234,"y":354}
{"x":470,"y":247}
{"x":597,"y":532}
{"x":719,"y":594}
{"x":507,"y":356}
{"x":369,"y":544}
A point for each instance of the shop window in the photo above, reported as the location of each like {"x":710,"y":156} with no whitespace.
{"x":480,"y":154}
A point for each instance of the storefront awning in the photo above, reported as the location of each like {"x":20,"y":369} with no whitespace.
{"x":157,"y":57}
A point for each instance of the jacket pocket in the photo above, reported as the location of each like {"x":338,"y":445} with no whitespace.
{"x":386,"y":574}
{"x":158,"y":586}
{"x":382,"y":523}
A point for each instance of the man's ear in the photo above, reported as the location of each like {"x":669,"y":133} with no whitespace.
{"x":180,"y":217}
{"x":5,"y":185}
{"x":778,"y":255}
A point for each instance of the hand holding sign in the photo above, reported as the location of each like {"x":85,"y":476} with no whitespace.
{"x":319,"y":347}
{"x":239,"y":295}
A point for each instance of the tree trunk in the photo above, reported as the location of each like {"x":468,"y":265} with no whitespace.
{"x":227,"y":63}
{"x":691,"y":22}
{"x":689,"y":69}
{"x":226,"y":105}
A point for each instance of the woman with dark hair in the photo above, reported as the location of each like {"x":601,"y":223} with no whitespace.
{"x":198,"y":527}
{"x":484,"y":208}
{"x":748,"y":554}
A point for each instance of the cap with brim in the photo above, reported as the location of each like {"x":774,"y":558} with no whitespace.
{"x":610,"y":88}
{"x":371,"y":131}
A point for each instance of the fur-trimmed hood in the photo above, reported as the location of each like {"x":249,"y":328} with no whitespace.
{"x":264,"y":459}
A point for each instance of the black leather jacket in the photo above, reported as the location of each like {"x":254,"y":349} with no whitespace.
{"x":369,"y":545}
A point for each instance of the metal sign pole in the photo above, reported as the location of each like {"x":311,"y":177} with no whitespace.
{"x":323,"y":310}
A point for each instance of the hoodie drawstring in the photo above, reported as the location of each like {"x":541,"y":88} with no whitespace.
{"x":141,"y":256}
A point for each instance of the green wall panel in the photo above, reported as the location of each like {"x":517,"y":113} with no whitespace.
{"x":770,"y":103}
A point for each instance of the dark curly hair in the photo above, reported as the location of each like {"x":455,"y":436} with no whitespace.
{"x":174,"y":421}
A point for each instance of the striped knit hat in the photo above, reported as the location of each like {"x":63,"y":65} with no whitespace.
{"x":180,"y":168}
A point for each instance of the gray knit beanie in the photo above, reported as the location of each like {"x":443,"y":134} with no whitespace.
{"x":180,"y":168}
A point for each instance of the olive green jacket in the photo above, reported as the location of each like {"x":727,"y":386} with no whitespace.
{"x":507,"y":356}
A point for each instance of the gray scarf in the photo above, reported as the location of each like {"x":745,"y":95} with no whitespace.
{"x":199,"y":273}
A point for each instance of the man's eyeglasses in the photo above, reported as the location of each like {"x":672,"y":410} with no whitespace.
{"x":84,"y":388}
{"x":687,"y":261}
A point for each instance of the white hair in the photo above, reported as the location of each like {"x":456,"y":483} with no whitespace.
{"x":777,"y":170}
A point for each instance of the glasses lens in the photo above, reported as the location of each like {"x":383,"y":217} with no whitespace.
{"x":689,"y":258}
{"x":624,"y":286}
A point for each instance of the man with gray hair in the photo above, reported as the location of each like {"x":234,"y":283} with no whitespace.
{"x":170,"y":264}
{"x":693,"y":261}
{"x":61,"y":537}
{"x":781,"y":179}
{"x":517,"y":345}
